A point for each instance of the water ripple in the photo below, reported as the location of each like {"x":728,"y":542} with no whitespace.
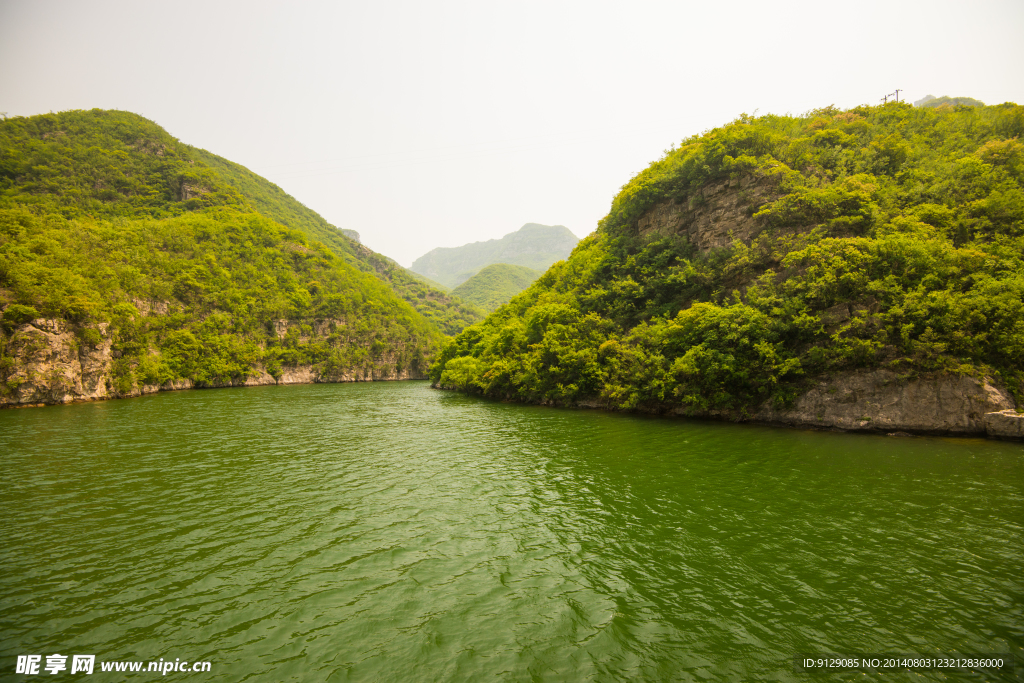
{"x":389,"y":532}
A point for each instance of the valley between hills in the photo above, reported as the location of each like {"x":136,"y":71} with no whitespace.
{"x":856,"y":270}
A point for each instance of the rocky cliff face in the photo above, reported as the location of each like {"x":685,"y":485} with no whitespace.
{"x":877,"y":401}
{"x":721,"y":212}
{"x":52,"y":364}
{"x":858,"y":400}
{"x":1005,"y":424}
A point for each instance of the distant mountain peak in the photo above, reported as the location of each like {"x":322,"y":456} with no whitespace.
{"x":932,"y":101}
{"x":534,"y":246}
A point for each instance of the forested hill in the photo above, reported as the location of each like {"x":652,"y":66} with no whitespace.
{"x":106,"y":164}
{"x":496,"y":284}
{"x":184,"y":266}
{"x":534,"y":246}
{"x":449,"y":313}
{"x":762,"y":255}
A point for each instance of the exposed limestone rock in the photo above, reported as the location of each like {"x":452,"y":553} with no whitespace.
{"x":190,"y":191}
{"x":261,"y":378}
{"x":721,"y":212}
{"x":1005,"y":424}
{"x":298,"y":375}
{"x":53,"y":364}
{"x":323,"y":327}
{"x":877,"y":401}
{"x":150,"y":306}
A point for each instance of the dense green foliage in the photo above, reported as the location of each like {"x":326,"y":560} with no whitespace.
{"x":111,"y":164}
{"x":195,"y":266}
{"x":534,"y":246}
{"x":892,"y":237}
{"x":450,"y":314}
{"x":495,"y":285}
{"x":200,"y":296}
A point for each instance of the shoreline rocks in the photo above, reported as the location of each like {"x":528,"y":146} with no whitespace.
{"x":54,"y":367}
{"x":291,"y":376}
{"x":879,"y":401}
{"x":1005,"y":424}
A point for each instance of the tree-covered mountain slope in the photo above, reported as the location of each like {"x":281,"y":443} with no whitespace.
{"x":450,"y":314}
{"x":495,"y":285}
{"x":107,"y":164}
{"x":533,"y":245}
{"x":756,"y":263}
{"x":129,"y":260}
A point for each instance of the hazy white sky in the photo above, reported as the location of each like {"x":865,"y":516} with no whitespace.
{"x":435,"y":124}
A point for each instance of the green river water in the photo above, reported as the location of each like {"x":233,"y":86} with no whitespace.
{"x":390,"y":532}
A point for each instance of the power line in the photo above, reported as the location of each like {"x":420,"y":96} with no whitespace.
{"x":885,"y":98}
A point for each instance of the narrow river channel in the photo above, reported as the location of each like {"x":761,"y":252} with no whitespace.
{"x":390,"y":532}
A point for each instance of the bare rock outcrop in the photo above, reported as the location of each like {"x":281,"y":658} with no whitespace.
{"x":877,"y":401}
{"x":719,"y":213}
{"x":55,"y":362}
{"x":302,"y":374}
{"x":191,"y":191}
{"x":1005,"y":424}
{"x":54,"y":366}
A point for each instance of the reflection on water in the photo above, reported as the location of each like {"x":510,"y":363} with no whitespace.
{"x":390,"y":532}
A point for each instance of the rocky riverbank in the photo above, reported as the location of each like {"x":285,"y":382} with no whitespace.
{"x":50,"y":364}
{"x":880,"y":401}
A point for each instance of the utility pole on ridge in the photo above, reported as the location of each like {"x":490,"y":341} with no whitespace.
{"x":885,"y":98}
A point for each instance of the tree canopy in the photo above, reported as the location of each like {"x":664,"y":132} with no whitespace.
{"x":196,"y":267}
{"x":891,"y":236}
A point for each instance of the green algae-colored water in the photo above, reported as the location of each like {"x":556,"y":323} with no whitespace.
{"x":390,"y":532}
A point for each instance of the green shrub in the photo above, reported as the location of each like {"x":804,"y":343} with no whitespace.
{"x":17,"y":314}
{"x":893,"y":237}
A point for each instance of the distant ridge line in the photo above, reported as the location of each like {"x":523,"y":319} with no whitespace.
{"x":534,"y":246}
